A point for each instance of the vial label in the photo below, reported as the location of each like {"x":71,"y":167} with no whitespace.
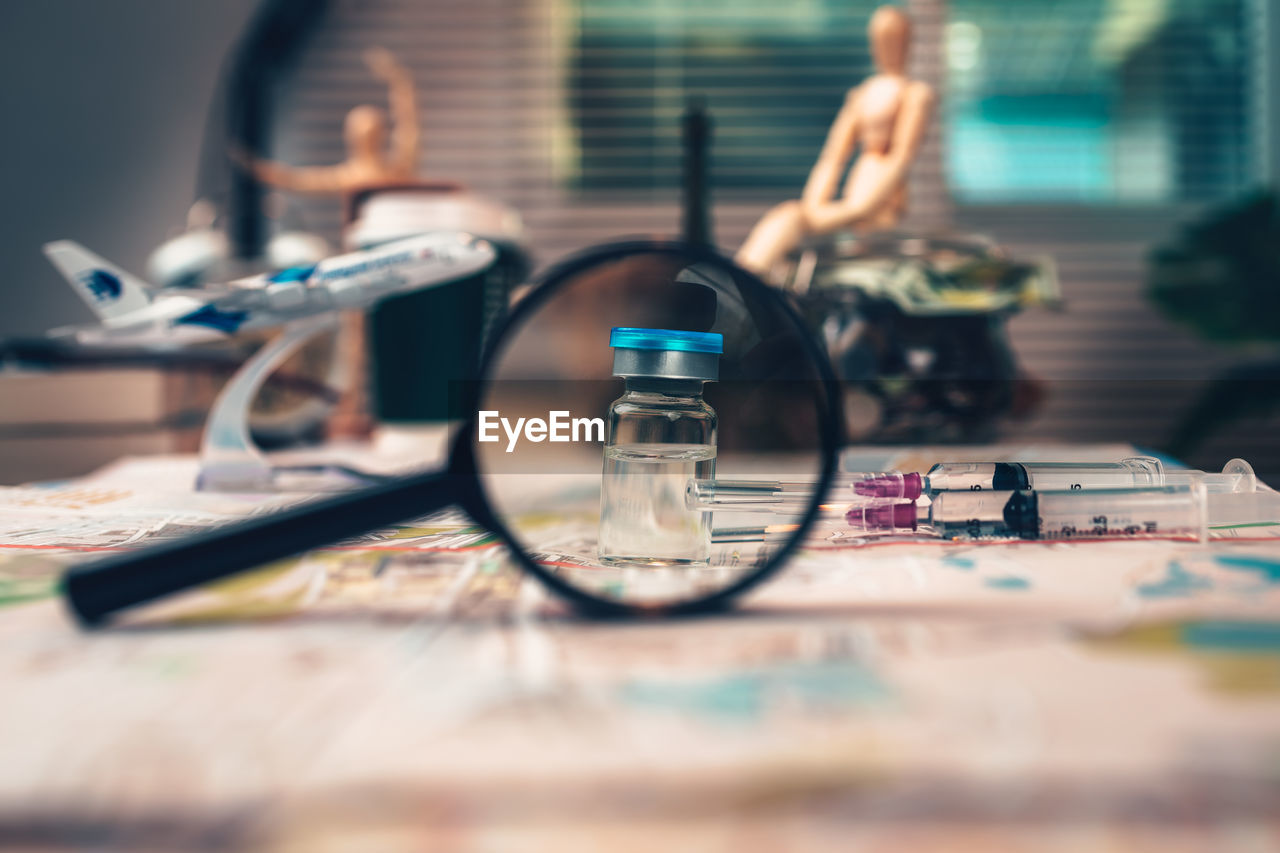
{"x":644,"y":519}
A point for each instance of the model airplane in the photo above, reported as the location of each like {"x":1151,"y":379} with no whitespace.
{"x":133,"y":313}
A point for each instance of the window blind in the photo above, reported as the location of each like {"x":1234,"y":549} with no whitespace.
{"x":1099,"y":101}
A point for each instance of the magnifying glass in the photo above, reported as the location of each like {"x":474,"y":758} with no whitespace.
{"x":625,"y":372}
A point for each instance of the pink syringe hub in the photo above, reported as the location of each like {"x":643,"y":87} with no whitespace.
{"x":891,"y":484}
{"x":896,"y":516}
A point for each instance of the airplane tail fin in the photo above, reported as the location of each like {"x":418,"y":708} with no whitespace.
{"x":108,"y":290}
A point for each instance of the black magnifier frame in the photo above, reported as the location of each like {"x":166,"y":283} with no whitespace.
{"x":95,"y":592}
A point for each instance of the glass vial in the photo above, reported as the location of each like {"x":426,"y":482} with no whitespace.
{"x":660,"y":434}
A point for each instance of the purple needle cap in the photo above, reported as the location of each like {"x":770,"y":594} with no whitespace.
{"x":891,"y":484}
{"x":897,"y":516}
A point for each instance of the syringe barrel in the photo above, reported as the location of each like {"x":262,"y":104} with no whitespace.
{"x":1134,"y":472}
{"x":1164,"y":512}
{"x":1161,"y":512}
{"x":983,"y":514}
{"x":975,"y":477}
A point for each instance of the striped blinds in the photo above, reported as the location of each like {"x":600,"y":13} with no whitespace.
{"x":1100,"y":100}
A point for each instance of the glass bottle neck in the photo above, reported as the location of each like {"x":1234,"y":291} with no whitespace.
{"x":688,"y":389}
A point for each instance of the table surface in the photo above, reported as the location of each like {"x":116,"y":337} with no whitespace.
{"x":413,"y":691}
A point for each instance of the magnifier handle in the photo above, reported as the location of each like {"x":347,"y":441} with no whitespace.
{"x":98,"y":590}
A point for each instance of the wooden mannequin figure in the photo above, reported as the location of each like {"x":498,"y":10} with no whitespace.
{"x":886,"y":117}
{"x":369,"y":164}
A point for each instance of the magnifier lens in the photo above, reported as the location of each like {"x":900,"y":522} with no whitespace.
{"x":629,"y":373}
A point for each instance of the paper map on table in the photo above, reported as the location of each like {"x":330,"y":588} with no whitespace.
{"x":411,"y":690}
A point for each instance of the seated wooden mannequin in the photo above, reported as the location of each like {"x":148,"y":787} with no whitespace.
{"x":886,"y":117}
{"x":369,"y":163}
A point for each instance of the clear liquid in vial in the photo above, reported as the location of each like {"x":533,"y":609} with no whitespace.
{"x":644,"y":520}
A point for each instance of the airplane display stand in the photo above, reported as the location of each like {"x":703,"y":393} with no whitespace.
{"x":229,"y":459}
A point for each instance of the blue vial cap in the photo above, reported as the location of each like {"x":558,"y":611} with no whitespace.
{"x":666,"y":354}
{"x":666,"y":339}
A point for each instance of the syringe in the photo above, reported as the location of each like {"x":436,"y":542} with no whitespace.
{"x":1164,"y":512}
{"x":1134,"y":472}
